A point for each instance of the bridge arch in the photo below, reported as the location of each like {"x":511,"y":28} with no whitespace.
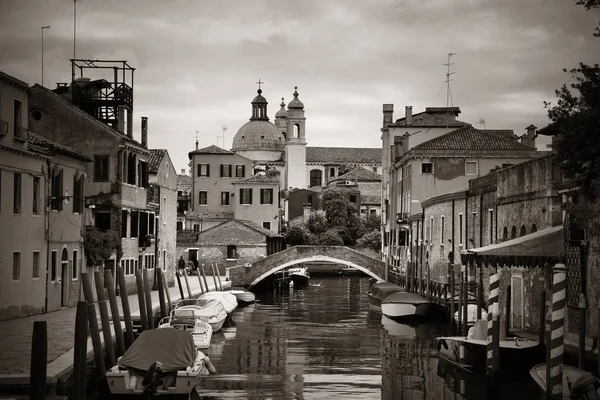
{"x":315,"y":258}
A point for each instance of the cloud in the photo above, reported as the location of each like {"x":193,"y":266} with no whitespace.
{"x":197,"y":62}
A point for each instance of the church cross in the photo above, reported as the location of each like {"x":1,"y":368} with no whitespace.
{"x":259,"y":83}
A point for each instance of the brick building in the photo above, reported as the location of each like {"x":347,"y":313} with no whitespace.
{"x":368,"y":184}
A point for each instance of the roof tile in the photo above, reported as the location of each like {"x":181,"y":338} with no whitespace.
{"x":360,"y":174}
{"x":211,"y":150}
{"x":37,"y":140}
{"x":258,"y":179}
{"x":434,"y":116}
{"x":343,"y":155}
{"x":469,"y":138}
{"x":156,"y":157}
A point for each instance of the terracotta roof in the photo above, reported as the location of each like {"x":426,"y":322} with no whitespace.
{"x":17,"y":82}
{"x":184,"y":179}
{"x":343,"y":155}
{"x":156,"y":157}
{"x":469,"y":138}
{"x":434,"y":117}
{"x":256,"y":227}
{"x":508,"y":133}
{"x":210,"y":150}
{"x":49,"y":147}
{"x":360,"y":174}
{"x":258,"y":179}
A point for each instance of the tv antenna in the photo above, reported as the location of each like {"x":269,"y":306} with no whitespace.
{"x":223,"y":135}
{"x":449,"y":101}
{"x":481,"y":121}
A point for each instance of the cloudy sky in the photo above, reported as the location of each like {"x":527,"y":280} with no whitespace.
{"x":197,"y":61}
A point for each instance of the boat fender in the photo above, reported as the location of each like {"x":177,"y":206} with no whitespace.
{"x":209,"y":365}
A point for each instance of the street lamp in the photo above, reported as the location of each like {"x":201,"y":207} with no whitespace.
{"x":43,"y":27}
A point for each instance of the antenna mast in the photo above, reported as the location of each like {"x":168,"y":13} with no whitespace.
{"x":449,"y":101}
{"x":74,"y":34}
{"x":223,"y":136}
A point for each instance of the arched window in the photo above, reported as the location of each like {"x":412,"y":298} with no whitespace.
{"x":316,"y":177}
{"x":505,"y":233}
{"x":513,"y":232}
{"x":533,"y":228}
{"x":284,"y":135}
{"x":296,"y":133}
{"x":332,"y":172}
{"x":523,"y":231}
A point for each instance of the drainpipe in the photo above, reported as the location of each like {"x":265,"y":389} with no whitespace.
{"x":423,"y":241}
{"x":47,"y":233}
{"x":453,"y":231}
{"x":481,"y":220}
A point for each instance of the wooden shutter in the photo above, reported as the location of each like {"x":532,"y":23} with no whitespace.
{"x":243,"y":171}
{"x":60,"y":190}
{"x":207,"y":170}
{"x":75,"y":193}
{"x":221,"y":170}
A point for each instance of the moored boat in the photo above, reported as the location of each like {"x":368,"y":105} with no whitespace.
{"x":300,"y":276}
{"x":227,"y":298}
{"x":209,"y":310}
{"x":161,"y":362}
{"x":407,"y":305}
{"x":379,"y":291}
{"x":516,"y":355}
{"x":243,"y":295}
{"x":186,"y":320}
{"x":471,"y":315}
{"x":407,"y":330}
{"x":577,"y":383}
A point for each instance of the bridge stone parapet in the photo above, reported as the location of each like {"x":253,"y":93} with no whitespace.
{"x":250,"y":274}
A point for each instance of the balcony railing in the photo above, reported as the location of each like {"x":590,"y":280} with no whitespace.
{"x":3,"y":128}
{"x":402,"y":218}
{"x":21,"y":133}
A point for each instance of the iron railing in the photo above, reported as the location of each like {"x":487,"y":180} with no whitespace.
{"x":21,"y":133}
{"x":3,"y":128}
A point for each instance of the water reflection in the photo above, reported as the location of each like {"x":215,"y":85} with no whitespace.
{"x":323,"y":341}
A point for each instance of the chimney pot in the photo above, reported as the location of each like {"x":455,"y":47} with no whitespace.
{"x":408,"y":116}
{"x":182,"y":171}
{"x":388,"y":114}
{"x":145,"y":131}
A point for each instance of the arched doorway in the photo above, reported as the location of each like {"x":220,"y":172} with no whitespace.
{"x":64,"y":278}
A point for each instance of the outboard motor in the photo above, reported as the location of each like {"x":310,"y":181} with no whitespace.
{"x":153,"y":380}
{"x":585,"y":388}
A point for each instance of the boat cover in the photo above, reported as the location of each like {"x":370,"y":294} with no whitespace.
{"x":382,"y":290}
{"x":173,"y":348}
{"x":205,"y":307}
{"x":404,"y":298}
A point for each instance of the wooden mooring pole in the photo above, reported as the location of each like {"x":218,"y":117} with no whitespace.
{"x":161,"y":293}
{"x":219,"y":276}
{"x":179,"y":285}
{"x":148,"y":298}
{"x":200,"y":282}
{"x":187,"y":284}
{"x":452,"y":295}
{"x":93,"y":324}
{"x":559,"y":291}
{"x":507,"y":318}
{"x":582,"y":324}
{"x":542,"y":319}
{"x":129,"y":338}
{"x":212,"y":266}
{"x":116,"y":317}
{"x":493,"y":362}
{"x":480,"y":292}
{"x":80,"y":352}
{"x":166,"y":284}
{"x":139,"y":283}
{"x":460,"y":303}
{"x":204,"y":277}
{"x":39,"y":361}
{"x":106,"y":332}
{"x":465,"y":315}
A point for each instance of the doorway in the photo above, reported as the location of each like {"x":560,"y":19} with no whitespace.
{"x":516,"y":302}
{"x":64,"y":278}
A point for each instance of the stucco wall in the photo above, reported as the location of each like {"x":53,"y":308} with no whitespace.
{"x":256,"y":212}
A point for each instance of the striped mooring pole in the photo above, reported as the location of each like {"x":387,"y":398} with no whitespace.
{"x":557,"y":337}
{"x":493,"y":332}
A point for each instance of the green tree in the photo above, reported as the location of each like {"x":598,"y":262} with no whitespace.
{"x":99,"y":245}
{"x":297,"y":235}
{"x":331,"y":238}
{"x":371,"y":240}
{"x":371,"y":223}
{"x":316,"y":224}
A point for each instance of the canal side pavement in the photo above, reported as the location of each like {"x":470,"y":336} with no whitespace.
{"x":15,"y":337}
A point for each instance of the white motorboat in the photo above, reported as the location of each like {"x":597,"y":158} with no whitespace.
{"x":408,"y":304}
{"x":161,"y":362}
{"x":186,"y":320}
{"x":227,"y":298}
{"x":379,"y":291}
{"x":300,"y":276}
{"x":577,"y":383}
{"x":208,"y":310}
{"x":243,"y":296}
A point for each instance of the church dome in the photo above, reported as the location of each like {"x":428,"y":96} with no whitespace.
{"x":258,"y":135}
{"x":296,"y":103}
{"x":282,"y":113}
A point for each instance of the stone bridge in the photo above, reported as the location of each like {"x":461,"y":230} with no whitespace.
{"x":250,"y":274}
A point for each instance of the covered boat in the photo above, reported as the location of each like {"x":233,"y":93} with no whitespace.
{"x":161,"y":362}
{"x":379,"y":291}
{"x":516,"y":354}
{"x":577,"y":383}
{"x":186,"y":320}
{"x":407,"y":304}
{"x":209,"y":310}
{"x":227,"y":298}
{"x":243,"y":295}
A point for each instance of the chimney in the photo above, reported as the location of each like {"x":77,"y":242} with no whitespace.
{"x":145,"y":131}
{"x":196,"y":144}
{"x":408,"y":117}
{"x":531,"y":135}
{"x":388,"y":114}
{"x":405,"y":139}
{"x":182,"y":171}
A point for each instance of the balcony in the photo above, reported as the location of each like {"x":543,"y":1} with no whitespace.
{"x":21,"y":133}
{"x":3,"y":128}
{"x":402,"y":219}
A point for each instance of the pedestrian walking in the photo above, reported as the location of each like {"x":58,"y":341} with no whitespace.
{"x":181,"y":265}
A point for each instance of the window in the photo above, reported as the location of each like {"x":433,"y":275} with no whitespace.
{"x":196,"y":227}
{"x":240,"y":171}
{"x":267,"y":225}
{"x":179,"y":225}
{"x":332,"y":172}
{"x":17,"y":117}
{"x":179,"y":193}
{"x":225,"y":171}
{"x":533,"y":228}
{"x":36,"y":195}
{"x":373,"y":211}
{"x":17,"y":193}
{"x":16,"y":271}
{"x":474,"y":219}
{"x":353,"y":198}
{"x":165,"y":208}
{"x":375,"y":169}
{"x":310,"y":200}
{"x":523,"y":231}
{"x":505,"y":233}
{"x":78,"y":196}
{"x":57,"y":188}
{"x":442,"y":230}
{"x":131,"y":169}
{"x":102,"y":220}
{"x":204,"y":170}
{"x":513,"y":232}
{"x":266,"y":196}
{"x":491,"y":224}
{"x":427,"y":168}
{"x":35,"y":265}
{"x":224,"y":198}
{"x":149,"y":261}
{"x":471,"y":168}
{"x":203,"y":197}
{"x":460,"y":228}
{"x":245,"y":196}
{"x":75,"y":271}
{"x":151,"y":220}
{"x":142,"y":174}
{"x":53,"y":262}
{"x":101,"y":164}
{"x":232,"y":252}
{"x":134,"y":265}
{"x":127,"y":271}
{"x":135,"y":217}
{"x":316,"y":177}
{"x":124,"y":220}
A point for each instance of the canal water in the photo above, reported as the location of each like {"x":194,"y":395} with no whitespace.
{"x":323,"y":342}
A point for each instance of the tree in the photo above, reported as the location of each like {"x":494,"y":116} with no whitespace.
{"x":371,"y":240}
{"x":297,"y":235}
{"x":589,"y":4}
{"x":371,"y":222}
{"x":316,"y":224}
{"x":344,"y":169}
{"x":99,"y":245}
{"x":331,"y":238}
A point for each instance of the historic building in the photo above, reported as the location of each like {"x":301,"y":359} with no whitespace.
{"x":429,"y":154}
{"x":184,"y":197}
{"x":368,"y":184}
{"x":42,"y":206}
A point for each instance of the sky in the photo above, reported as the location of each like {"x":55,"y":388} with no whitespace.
{"x":197,"y":62}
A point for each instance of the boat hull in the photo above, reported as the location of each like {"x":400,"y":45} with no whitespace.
{"x":405,"y":305}
{"x":514,"y":359}
{"x":570,"y":374}
{"x":300,"y":276}
{"x":244,"y":297}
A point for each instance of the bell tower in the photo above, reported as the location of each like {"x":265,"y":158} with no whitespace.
{"x":295,"y":147}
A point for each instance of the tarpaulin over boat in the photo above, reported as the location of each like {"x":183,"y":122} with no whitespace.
{"x":173,"y":348}
{"x":203,"y":307}
{"x":381,"y":290}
